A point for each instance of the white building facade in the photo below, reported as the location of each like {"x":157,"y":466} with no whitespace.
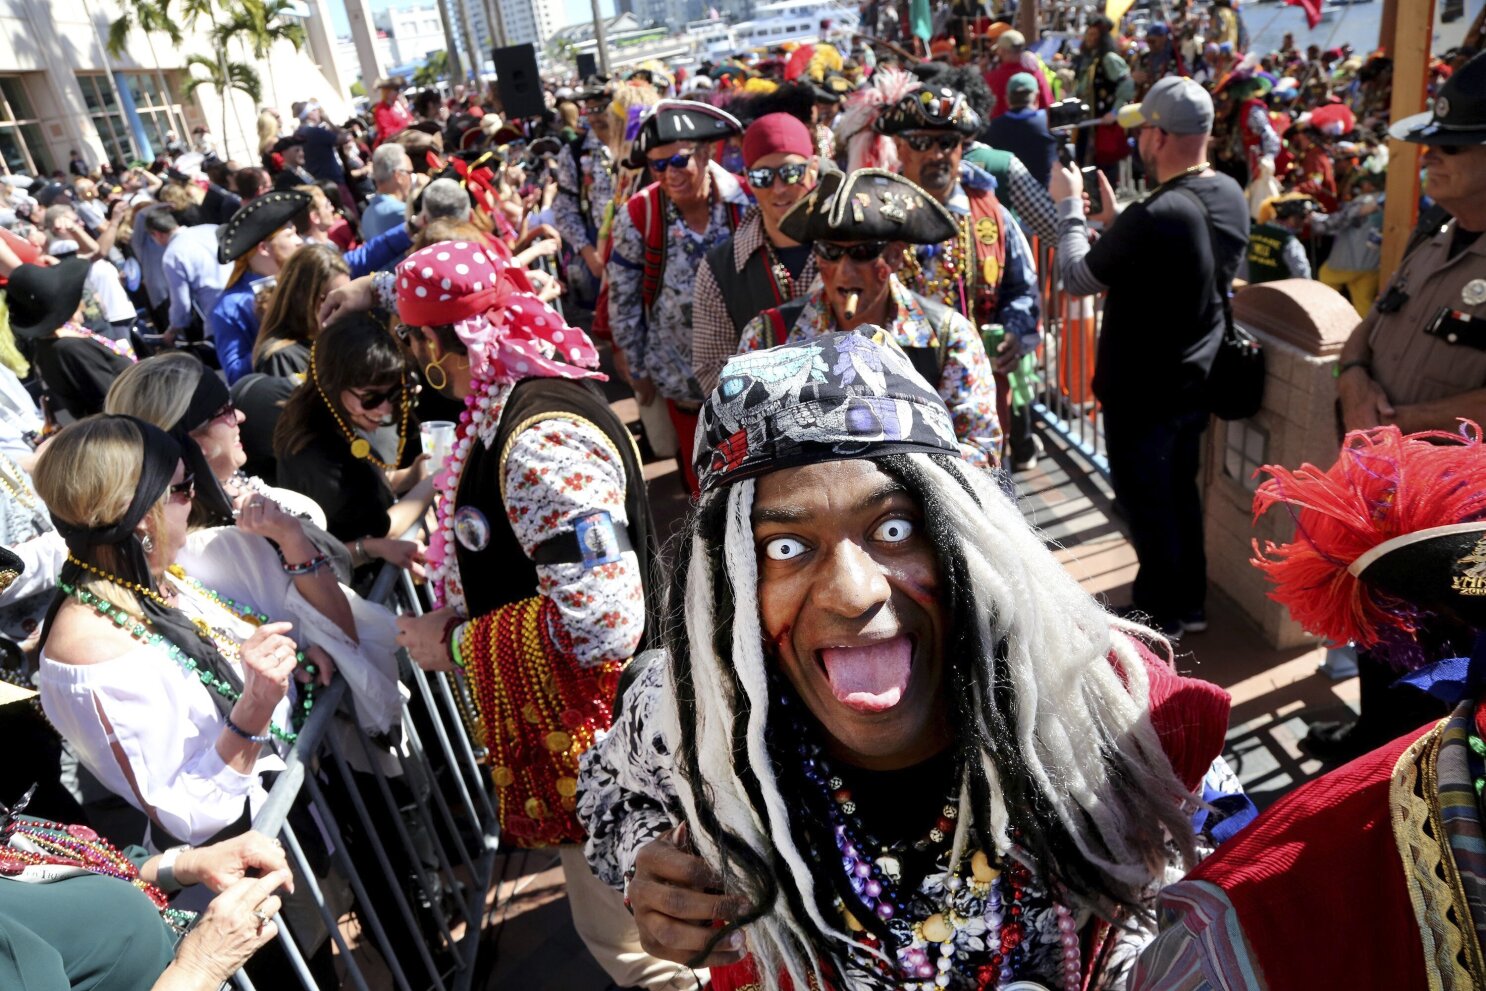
{"x":60,"y":91}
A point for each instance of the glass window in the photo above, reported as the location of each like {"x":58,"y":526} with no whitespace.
{"x":13,"y":151}
{"x":17,"y":102}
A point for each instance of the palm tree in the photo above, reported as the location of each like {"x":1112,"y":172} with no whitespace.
{"x":223,"y":75}
{"x":432,"y":70}
{"x":258,"y":25}
{"x":169,"y":17}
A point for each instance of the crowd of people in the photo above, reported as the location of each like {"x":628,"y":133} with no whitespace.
{"x":856,"y":728}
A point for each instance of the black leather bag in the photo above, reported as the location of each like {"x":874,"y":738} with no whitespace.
{"x":1235,"y":383}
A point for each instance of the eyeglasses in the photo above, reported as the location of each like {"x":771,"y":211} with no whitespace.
{"x":184,"y":490}
{"x":372,"y":400}
{"x":680,"y":160}
{"x":864,"y":251}
{"x":763,"y":178}
{"x":228,"y":411}
{"x":923,"y":142}
{"x":1449,"y":151}
{"x":594,"y":109}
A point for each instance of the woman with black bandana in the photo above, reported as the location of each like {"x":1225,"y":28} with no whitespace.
{"x":121,"y":648}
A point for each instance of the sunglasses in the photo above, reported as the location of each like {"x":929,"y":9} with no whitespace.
{"x":864,"y":251}
{"x":763,"y":178}
{"x":1449,"y":151}
{"x":923,"y":142}
{"x":373,"y":400}
{"x":680,"y":160}
{"x":229,"y":411}
{"x":184,"y":490}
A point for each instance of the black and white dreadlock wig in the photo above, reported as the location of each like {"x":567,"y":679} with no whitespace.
{"x":1054,"y":742}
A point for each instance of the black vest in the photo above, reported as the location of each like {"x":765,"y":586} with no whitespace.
{"x":500,"y":573}
{"x":746,"y":294}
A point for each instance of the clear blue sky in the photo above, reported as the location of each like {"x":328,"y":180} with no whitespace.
{"x":577,"y":10}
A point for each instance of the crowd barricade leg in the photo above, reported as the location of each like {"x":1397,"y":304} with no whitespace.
{"x":1070,"y":329}
{"x":414,"y":835}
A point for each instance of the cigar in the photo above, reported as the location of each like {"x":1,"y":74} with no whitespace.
{"x":851,"y":305}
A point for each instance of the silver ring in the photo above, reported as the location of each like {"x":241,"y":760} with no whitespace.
{"x":263,"y":917}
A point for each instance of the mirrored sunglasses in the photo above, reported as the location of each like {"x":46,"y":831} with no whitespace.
{"x":944,"y":142}
{"x":763,"y":178}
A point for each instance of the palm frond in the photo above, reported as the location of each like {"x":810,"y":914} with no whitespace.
{"x":245,"y":78}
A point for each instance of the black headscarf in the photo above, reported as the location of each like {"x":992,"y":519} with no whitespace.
{"x":212,"y":507}
{"x":160,"y":454}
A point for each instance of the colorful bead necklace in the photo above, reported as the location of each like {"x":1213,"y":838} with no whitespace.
{"x":140,"y":630}
{"x":361,"y":448}
{"x":12,"y":480}
{"x":926,"y":952}
{"x":539,"y":712}
{"x":948,"y":281}
{"x":121,"y":348}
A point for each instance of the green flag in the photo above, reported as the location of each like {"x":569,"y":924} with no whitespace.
{"x":920,"y":21}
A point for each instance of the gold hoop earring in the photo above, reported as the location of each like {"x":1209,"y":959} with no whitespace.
{"x":443,"y":376}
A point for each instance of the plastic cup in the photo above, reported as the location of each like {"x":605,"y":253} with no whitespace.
{"x":438,"y":442}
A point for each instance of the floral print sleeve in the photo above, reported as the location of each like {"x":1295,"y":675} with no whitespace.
{"x":558,"y":471}
{"x":624,"y":789}
{"x":967,"y":387}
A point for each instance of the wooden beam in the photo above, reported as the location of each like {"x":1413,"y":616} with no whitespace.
{"x":1413,"y":33}
{"x":1387,"y":29}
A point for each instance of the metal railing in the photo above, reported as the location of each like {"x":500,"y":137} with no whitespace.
{"x":420,"y":854}
{"x":1070,"y":340}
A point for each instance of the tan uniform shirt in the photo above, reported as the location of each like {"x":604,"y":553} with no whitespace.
{"x":1411,"y":365}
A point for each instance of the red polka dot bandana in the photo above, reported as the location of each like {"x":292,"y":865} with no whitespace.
{"x":510,"y":333}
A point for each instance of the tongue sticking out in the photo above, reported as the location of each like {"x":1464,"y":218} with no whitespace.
{"x":869,"y":679}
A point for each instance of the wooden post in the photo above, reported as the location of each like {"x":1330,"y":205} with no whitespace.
{"x":1413,"y":32}
{"x":1388,"y":29}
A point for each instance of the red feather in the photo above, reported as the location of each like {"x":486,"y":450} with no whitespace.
{"x":1383,"y":485}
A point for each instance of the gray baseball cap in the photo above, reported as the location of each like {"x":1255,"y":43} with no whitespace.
{"x":1176,"y":105}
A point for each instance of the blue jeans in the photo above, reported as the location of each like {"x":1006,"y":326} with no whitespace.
{"x":1153,"y":469}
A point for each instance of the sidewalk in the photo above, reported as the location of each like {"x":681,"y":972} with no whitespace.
{"x":1273,"y":692}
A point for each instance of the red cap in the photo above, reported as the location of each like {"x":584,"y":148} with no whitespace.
{"x":775,"y":134}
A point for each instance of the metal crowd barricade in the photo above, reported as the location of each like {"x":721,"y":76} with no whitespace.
{"x":438,"y":858}
{"x":1070,"y":333}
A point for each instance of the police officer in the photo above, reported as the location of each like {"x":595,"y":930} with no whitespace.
{"x":1418,"y":359}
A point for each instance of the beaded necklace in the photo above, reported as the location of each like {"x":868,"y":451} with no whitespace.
{"x":927,"y":953}
{"x":482,"y":410}
{"x":76,"y":846}
{"x":11,"y":480}
{"x":121,"y":348}
{"x":361,"y":448}
{"x":948,"y":281}
{"x":784,"y":283}
{"x":140,"y":630}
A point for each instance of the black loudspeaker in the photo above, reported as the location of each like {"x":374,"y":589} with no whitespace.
{"x":518,"y":81}
{"x":588,"y":65}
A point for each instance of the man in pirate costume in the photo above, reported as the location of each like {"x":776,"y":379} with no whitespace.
{"x":851,"y":754}
{"x":1371,"y":876}
{"x":660,"y":239}
{"x":984,"y":268}
{"x":585,"y":186}
{"x":759,"y":266}
{"x":540,"y":557}
{"x":861,"y":227}
{"x":257,"y":242}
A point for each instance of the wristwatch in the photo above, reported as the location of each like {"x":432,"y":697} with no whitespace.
{"x":165,"y":870}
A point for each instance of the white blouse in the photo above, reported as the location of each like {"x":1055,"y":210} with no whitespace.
{"x":165,"y":720}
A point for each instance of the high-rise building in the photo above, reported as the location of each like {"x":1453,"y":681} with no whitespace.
{"x":531,"y":20}
{"x":411,"y":32}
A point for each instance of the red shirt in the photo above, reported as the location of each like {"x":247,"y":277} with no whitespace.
{"x":998,"y":77}
{"x":390,"y":119}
